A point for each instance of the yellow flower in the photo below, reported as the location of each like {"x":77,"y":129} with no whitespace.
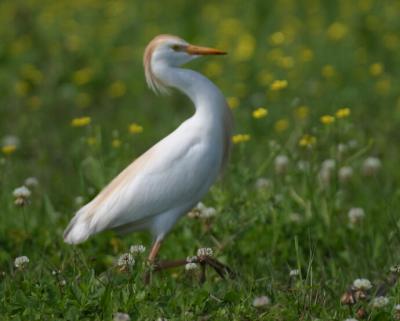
{"x":260,"y":113}
{"x":376,"y":69}
{"x":383,"y":86}
{"x":8,"y":149}
{"x":343,"y":112}
{"x":91,"y":141}
{"x":81,"y":121}
{"x":82,"y":76}
{"x":337,"y":31}
{"x":83,"y":100}
{"x":240,"y":138}
{"x":277,"y":38}
{"x":281,"y":125}
{"x":245,"y":47}
{"x":302,"y":112}
{"x":135,"y":128}
{"x":286,"y":62}
{"x":117,"y":89}
{"x":307,"y":141}
{"x":21,"y":88}
{"x":306,"y":54}
{"x":327,"y":119}
{"x":116,"y":143}
{"x":213,"y":69}
{"x":233,"y":102}
{"x":328,"y":71}
{"x":32,"y":73}
{"x":279,"y":85}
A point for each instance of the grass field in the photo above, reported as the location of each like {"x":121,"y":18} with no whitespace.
{"x":308,"y":204}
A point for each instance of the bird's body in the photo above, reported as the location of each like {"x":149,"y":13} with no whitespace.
{"x":172,"y":176}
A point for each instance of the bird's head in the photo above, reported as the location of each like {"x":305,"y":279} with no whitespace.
{"x":172,"y":51}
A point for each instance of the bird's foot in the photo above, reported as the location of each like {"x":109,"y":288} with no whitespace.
{"x":203,"y":260}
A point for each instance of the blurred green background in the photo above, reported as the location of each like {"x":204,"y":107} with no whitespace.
{"x":75,"y":109}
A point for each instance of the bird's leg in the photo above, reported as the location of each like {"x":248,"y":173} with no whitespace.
{"x":151,"y":259}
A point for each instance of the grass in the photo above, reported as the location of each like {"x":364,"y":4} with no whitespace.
{"x":67,"y":59}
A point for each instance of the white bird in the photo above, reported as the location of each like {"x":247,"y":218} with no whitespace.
{"x":169,"y":179}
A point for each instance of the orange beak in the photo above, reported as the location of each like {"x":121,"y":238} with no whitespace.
{"x":197,"y":50}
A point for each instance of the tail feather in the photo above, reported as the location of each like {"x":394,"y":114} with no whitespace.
{"x":78,"y":230}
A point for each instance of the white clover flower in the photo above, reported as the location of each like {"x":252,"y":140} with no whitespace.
{"x":371,"y":166}
{"x":261,"y":301}
{"x":79,"y":200}
{"x":137,"y":249}
{"x":380,"y":302}
{"x":31,"y":182}
{"x":208,"y":213}
{"x":356,"y":214}
{"x":263,"y":183}
{"x":295,"y":217}
{"x":63,"y":282}
{"x":395,"y":268}
{"x":191,"y":266}
{"x":191,"y":259}
{"x":294,"y":273}
{"x":362,"y":284}
{"x":397,"y":307}
{"x":205,"y":251}
{"x":303,"y":165}
{"x":162,"y":319}
{"x":22,"y":192}
{"x":351,"y":319}
{"x":119,"y":316}
{"x":281,"y":164}
{"x":329,"y":164}
{"x":202,"y":211}
{"x":126,"y":260}
{"x":341,"y":148}
{"x":10,"y":140}
{"x":21,"y":262}
{"x":345,"y":174}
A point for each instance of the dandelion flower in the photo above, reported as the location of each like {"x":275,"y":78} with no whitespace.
{"x":261,"y":301}
{"x":260,"y":113}
{"x":302,"y":112}
{"x":117,"y":89}
{"x":137,"y":249}
{"x":328,"y":71}
{"x":356,"y":214}
{"x":135,"y":128}
{"x":240,"y":138}
{"x":343,"y":112}
{"x":327,"y":119}
{"x":380,"y":302}
{"x":205,"y":251}
{"x":307,"y":141}
{"x":337,"y":31}
{"x":376,"y":69}
{"x":116,"y":143}
{"x":233,"y":102}
{"x":8,"y":149}
{"x":281,"y":125}
{"x":21,"y":262}
{"x":279,"y":85}
{"x":362,"y":284}
{"x":81,"y":121}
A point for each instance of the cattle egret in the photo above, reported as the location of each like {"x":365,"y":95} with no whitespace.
{"x":169,"y":179}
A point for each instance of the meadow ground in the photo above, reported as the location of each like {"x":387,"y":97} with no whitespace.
{"x":310,"y":200}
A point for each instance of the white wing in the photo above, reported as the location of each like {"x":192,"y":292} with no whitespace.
{"x":175,"y":172}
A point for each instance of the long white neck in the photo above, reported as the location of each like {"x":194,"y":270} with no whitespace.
{"x":206,"y":97}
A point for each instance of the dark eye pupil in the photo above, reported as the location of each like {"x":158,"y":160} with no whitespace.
{"x":176,"y":47}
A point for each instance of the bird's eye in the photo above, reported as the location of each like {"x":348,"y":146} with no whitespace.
{"x":177,"y":47}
